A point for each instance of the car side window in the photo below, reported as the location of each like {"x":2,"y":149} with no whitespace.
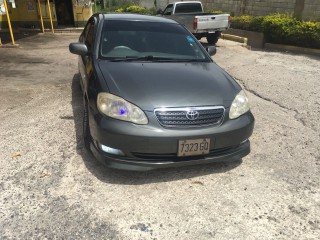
{"x":168,"y":10}
{"x":188,"y":8}
{"x":90,"y":35}
{"x":84,"y":33}
{"x":87,"y":36}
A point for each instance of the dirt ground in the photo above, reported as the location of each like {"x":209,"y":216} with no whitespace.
{"x":52,"y":188}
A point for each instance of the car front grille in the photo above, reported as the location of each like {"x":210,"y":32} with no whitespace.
{"x":189,"y":117}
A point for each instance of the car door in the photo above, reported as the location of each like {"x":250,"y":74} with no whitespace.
{"x":168,"y":10}
{"x":85,"y":61}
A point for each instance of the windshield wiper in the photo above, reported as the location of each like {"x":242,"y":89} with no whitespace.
{"x":151,"y":58}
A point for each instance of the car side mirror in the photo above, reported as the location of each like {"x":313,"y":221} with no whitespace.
{"x":78,"y":48}
{"x":212,"y":50}
{"x":159,"y":12}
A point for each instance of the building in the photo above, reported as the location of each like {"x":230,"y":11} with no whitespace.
{"x":64,"y":13}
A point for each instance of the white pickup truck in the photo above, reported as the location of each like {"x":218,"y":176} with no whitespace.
{"x":190,"y":14}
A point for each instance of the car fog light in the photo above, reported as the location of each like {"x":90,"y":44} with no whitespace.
{"x":110,"y":150}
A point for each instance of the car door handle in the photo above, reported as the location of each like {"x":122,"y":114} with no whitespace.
{"x":213,"y":18}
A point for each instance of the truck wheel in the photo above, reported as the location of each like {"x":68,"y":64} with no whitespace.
{"x":213,"y":38}
{"x":86,"y":129}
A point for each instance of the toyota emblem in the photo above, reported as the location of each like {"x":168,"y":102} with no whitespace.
{"x":192,"y":115}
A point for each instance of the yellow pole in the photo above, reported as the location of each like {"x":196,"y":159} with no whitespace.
{"x":49,"y":8}
{"x":9,"y":22}
{"x":41,"y":18}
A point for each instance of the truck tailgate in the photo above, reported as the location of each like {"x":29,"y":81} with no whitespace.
{"x":214,"y":22}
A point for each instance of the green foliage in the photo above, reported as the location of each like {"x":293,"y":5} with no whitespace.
{"x":219,"y":12}
{"x":119,"y":10}
{"x":250,"y":23}
{"x":281,"y":28}
{"x":216,"y":11}
{"x":152,"y":11}
{"x":136,"y":9}
{"x":120,"y":6}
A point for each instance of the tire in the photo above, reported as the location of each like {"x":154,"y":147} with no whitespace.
{"x":80,"y":82}
{"x":80,"y":87}
{"x":213,"y":38}
{"x":86,"y":129}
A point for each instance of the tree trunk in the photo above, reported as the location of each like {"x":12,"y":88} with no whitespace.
{"x":298,"y":9}
{"x":243,"y":4}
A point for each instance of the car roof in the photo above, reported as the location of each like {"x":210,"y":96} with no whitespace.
{"x":136,"y":17}
{"x":182,"y":2}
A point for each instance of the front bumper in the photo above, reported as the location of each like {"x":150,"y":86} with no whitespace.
{"x":145,"y":165}
{"x":151,"y":146}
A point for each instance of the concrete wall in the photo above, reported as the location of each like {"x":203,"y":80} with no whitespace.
{"x":147,"y":3}
{"x":232,"y":6}
{"x":311,"y":9}
{"x":305,"y":9}
{"x":159,"y":4}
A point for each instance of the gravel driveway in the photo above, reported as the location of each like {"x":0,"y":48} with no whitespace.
{"x":52,"y":188}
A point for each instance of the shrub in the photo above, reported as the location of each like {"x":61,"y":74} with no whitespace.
{"x":216,"y":11}
{"x":129,"y":9}
{"x":279,"y":26}
{"x":308,"y":34}
{"x":282,"y":28}
{"x":152,"y":11}
{"x":119,"y":10}
{"x":136,"y":9}
{"x":249,"y":23}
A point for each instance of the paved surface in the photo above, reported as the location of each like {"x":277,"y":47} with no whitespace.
{"x":51,"y":188}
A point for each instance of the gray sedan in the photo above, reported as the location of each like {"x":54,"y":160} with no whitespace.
{"x":154,"y":98}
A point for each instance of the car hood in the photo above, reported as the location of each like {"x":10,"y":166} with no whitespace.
{"x":151,"y":85}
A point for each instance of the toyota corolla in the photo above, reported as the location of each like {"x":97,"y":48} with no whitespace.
{"x":154,"y":98}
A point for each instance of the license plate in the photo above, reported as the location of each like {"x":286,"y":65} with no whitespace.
{"x":193,"y":147}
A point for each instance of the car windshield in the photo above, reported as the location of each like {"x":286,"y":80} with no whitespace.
{"x":148,"y":41}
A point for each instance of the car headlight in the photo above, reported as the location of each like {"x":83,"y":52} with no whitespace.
{"x":239,"y":106}
{"x":116,"y":107}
